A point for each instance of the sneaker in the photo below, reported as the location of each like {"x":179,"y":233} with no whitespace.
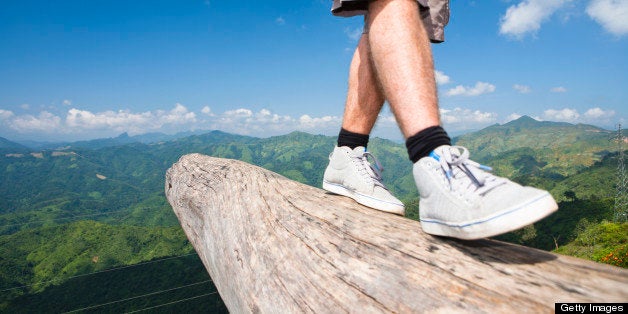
{"x":460,"y":199}
{"x":349,"y":173}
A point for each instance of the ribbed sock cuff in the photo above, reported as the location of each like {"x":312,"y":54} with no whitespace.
{"x":425,"y":141}
{"x":353,"y":140}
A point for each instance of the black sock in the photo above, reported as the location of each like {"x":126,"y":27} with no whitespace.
{"x":424,"y":142}
{"x":353,"y":140}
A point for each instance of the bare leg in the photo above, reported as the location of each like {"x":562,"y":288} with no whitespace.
{"x":364,"y":97}
{"x":402,"y":59}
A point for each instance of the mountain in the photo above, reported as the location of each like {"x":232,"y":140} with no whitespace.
{"x":6,"y":145}
{"x":555,"y":148}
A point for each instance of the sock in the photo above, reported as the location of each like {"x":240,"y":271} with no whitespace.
{"x":353,"y":140}
{"x":424,"y":142}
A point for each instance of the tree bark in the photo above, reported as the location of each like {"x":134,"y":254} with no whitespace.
{"x":274,"y":245}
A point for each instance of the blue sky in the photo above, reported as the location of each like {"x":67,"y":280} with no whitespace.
{"x":75,"y":70}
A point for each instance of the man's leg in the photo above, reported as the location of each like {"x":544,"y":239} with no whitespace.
{"x":364,"y":100}
{"x":458,"y":197}
{"x":402,"y":58}
{"x":364,"y":96}
{"x":349,"y":173}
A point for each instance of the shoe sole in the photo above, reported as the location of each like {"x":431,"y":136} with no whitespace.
{"x":500,"y":223}
{"x":365,"y":200}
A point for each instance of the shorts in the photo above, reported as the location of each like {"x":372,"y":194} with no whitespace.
{"x":434,"y":13}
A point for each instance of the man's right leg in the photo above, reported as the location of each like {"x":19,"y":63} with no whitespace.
{"x":458,"y":197}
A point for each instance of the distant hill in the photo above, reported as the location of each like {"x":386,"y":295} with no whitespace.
{"x":556,"y":147}
{"x":6,"y":145}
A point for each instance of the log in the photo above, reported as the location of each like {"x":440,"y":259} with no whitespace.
{"x":274,"y":245}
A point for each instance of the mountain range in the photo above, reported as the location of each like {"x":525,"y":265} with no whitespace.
{"x":73,"y":209}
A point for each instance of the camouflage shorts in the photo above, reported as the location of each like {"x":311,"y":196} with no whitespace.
{"x":434,"y":13}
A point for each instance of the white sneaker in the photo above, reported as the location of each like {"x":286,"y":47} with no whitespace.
{"x":350,"y":174}
{"x":458,"y":198}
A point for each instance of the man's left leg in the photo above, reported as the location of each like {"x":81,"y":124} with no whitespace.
{"x":349,"y":172}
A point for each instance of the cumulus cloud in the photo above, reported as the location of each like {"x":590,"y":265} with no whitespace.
{"x":527,"y":16}
{"x":595,"y":115}
{"x":598,"y":113}
{"x":611,"y":14}
{"x":522,"y":88}
{"x":479,"y":89}
{"x":558,"y":89}
{"x":45,"y":122}
{"x":126,"y":121}
{"x":441,"y":78}
{"x":67,"y":102}
{"x":207,"y":111}
{"x":459,"y":115}
{"x":81,"y":123}
{"x":5,"y":114}
{"x":563,"y":115}
{"x":280,"y":21}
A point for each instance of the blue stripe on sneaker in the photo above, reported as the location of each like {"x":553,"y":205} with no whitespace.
{"x":434,"y":155}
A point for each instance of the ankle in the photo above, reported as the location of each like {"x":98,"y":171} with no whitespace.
{"x":424,"y":142}
{"x":351,"y":139}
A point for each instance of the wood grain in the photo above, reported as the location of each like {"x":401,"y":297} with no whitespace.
{"x":274,"y":245}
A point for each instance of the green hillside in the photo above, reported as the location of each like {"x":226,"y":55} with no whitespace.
{"x":553,"y":147}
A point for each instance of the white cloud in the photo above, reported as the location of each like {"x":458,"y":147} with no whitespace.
{"x":239,"y":113}
{"x":67,"y":102}
{"x":459,"y":115}
{"x":522,"y":88}
{"x":126,"y":121}
{"x":479,"y":89}
{"x":441,"y":78}
{"x":563,"y":115}
{"x":527,"y":16}
{"x":266,"y":123}
{"x":45,"y":122}
{"x":354,"y":33}
{"x":25,"y":106}
{"x":207,"y":111}
{"x":280,"y":21}
{"x":5,"y":114}
{"x":598,"y":113}
{"x":558,"y":89}
{"x":611,"y":14}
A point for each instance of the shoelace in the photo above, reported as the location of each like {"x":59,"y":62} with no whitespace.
{"x":374,"y":172}
{"x":463,"y":173}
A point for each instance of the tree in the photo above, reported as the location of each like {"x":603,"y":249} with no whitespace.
{"x":570,"y":195}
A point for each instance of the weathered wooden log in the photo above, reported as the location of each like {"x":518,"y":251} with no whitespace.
{"x":274,"y":245}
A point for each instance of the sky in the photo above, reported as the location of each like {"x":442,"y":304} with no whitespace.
{"x":77,"y":70}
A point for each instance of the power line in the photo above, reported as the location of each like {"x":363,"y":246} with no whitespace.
{"x":99,"y":272}
{"x":137,"y":297}
{"x":169,"y":303}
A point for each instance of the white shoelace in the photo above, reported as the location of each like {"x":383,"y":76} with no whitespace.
{"x":366,"y":169}
{"x":465,"y":174}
